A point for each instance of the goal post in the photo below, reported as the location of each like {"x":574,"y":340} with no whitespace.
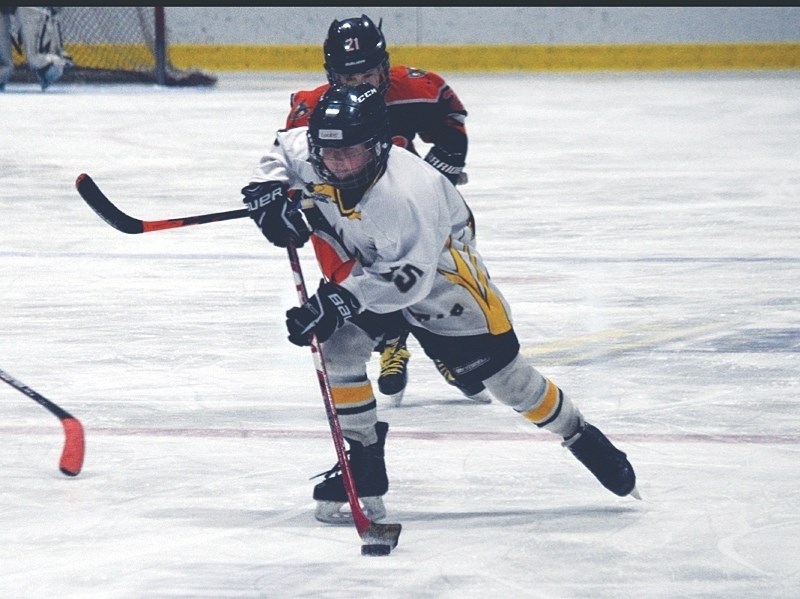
{"x":118,"y":44}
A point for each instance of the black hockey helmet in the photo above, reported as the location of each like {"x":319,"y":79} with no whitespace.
{"x":354,"y":46}
{"x":348,"y":136}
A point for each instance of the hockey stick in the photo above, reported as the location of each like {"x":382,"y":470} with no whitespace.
{"x":379,"y":539}
{"x":115,"y":217}
{"x":72,"y":455}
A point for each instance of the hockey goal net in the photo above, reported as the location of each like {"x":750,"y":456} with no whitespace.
{"x":120,"y":44}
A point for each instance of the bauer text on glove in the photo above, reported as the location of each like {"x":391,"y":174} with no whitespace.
{"x":322,"y":314}
{"x":268,"y":204}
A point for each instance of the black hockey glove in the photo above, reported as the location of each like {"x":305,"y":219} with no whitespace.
{"x":268,"y":204}
{"x":322,"y":314}
{"x":450,"y":164}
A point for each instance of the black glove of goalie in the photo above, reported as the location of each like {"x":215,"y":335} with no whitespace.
{"x":268,"y":204}
{"x":322,"y":314}
{"x":450,"y":164}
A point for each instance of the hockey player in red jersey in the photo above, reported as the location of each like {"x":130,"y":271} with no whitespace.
{"x":420,"y":104}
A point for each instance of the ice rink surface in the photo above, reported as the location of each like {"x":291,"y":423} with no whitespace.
{"x":646,"y":231}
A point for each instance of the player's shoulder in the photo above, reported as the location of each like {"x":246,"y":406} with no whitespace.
{"x":291,"y":139}
{"x":410,"y":84}
{"x":411,"y":168}
{"x":302,"y":102}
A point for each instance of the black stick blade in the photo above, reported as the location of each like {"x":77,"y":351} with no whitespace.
{"x":115,"y":217}
{"x":98,"y":202}
{"x":382,"y":534}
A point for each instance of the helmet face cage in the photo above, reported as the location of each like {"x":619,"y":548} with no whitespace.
{"x":348,"y":136}
{"x":363,"y":163}
{"x":354,"y":46}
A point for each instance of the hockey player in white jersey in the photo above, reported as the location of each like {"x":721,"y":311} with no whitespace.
{"x":423,"y":109}
{"x":409,"y":230}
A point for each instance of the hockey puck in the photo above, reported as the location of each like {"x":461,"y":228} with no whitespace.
{"x":376,"y":549}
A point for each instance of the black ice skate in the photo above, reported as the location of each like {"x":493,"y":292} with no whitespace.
{"x":369,"y":474}
{"x":609,"y":465}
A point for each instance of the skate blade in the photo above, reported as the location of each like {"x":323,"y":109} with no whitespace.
{"x":396,"y":399}
{"x":481,"y":397}
{"x":335,"y":512}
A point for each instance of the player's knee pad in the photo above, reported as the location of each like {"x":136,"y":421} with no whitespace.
{"x":347,"y":352}
{"x":517,"y":384}
{"x":520,"y":386}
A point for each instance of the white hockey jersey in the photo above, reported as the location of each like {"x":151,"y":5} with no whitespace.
{"x":410,"y":236}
